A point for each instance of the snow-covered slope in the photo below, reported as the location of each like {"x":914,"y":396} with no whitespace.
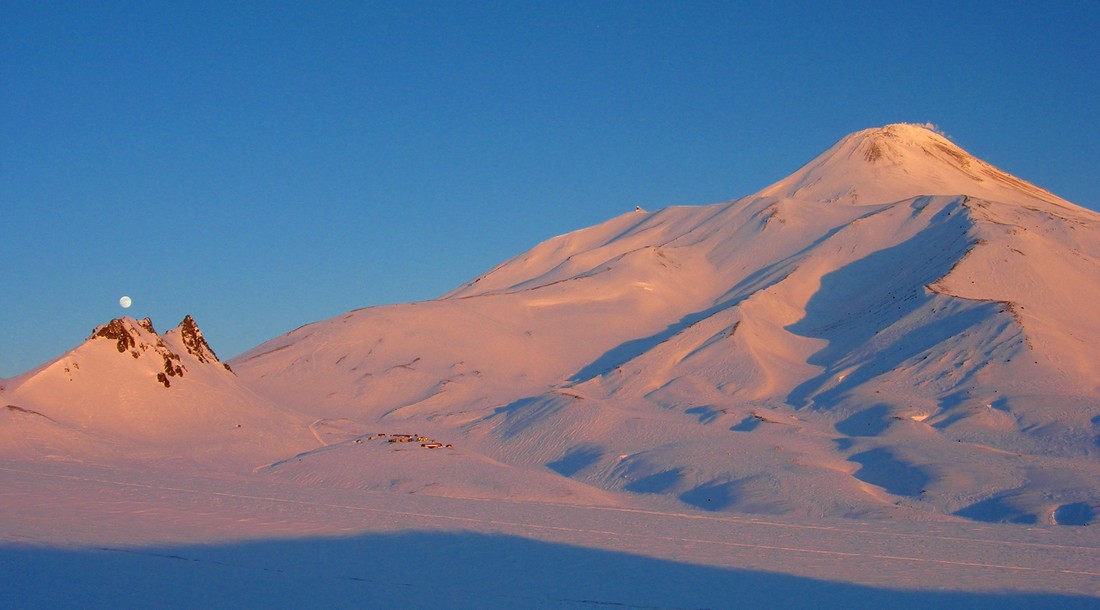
{"x":127,"y":391}
{"x":898,"y":327}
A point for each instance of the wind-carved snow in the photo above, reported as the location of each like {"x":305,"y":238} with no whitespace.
{"x":897,"y":331}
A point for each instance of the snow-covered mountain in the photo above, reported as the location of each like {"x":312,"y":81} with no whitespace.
{"x":128,"y":392}
{"x":896,"y":327}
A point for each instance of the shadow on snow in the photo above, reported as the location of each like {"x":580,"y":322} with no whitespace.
{"x":430,"y":569}
{"x":864,"y":298}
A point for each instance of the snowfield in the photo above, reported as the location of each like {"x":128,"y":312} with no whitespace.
{"x":875,"y":381}
{"x":98,"y":537}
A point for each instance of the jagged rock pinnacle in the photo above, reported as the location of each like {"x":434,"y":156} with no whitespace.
{"x":194,"y":341}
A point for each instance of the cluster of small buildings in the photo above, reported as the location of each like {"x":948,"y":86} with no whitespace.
{"x":424,"y":441}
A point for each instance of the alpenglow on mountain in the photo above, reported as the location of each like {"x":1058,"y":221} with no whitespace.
{"x":897,"y":329}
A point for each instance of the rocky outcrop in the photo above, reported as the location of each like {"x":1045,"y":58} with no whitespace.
{"x":194,"y":342}
{"x":119,"y":331}
{"x":139,"y":338}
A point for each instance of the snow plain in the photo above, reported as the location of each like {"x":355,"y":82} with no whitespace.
{"x":112,"y":537}
{"x":876,"y":381}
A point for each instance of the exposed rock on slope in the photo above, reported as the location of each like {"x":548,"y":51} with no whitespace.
{"x":137,"y":338}
{"x":193,"y":342}
{"x":126,"y":389}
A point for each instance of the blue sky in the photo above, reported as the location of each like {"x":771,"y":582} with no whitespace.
{"x":262,"y":165}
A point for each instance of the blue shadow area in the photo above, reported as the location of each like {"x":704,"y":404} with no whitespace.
{"x":881,"y":467}
{"x":761,"y":279}
{"x":748,"y":424}
{"x":868,"y":422}
{"x":656,"y":483}
{"x":576,"y":459}
{"x":864,"y":298}
{"x":997,"y":510}
{"x":629,"y":350}
{"x":425,"y":569}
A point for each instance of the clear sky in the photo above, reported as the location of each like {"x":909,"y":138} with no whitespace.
{"x":262,"y":165}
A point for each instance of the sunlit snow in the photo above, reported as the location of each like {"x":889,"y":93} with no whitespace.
{"x":856,"y":385}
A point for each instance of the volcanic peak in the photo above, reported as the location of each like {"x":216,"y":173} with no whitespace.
{"x":901,"y":161}
{"x":893,"y":143}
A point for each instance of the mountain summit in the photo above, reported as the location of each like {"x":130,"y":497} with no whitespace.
{"x":897,"y":162}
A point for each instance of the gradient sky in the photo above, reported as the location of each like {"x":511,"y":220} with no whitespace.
{"x":262,"y":165}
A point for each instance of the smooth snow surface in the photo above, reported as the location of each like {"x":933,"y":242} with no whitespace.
{"x":187,"y":541}
{"x":877,"y":379}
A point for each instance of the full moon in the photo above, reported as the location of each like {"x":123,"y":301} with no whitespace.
{"x":125,"y":302}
